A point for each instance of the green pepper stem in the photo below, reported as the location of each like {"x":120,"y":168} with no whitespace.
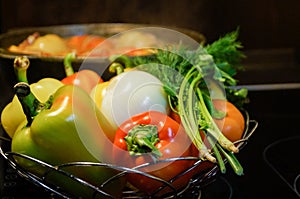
{"x":142,"y":139}
{"x":21,"y":64}
{"x":119,"y":63}
{"x":122,"y":59}
{"x":68,"y":64}
{"x":116,"y":68}
{"x":30,"y":104}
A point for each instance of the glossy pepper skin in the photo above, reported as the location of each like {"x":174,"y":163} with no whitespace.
{"x":12,"y":114}
{"x":86,"y":79}
{"x":119,"y":65}
{"x":149,"y":137}
{"x":70,"y":130}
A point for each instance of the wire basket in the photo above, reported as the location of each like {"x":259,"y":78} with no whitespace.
{"x":192,"y":190}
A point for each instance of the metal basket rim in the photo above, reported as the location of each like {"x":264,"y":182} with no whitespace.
{"x":40,"y":181}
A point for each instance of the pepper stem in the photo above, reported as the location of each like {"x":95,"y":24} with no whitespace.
{"x":142,"y":139}
{"x":116,"y":67}
{"x":122,"y":59}
{"x":119,"y":63}
{"x":68,"y":64}
{"x":21,"y":64}
{"x":30,"y":104}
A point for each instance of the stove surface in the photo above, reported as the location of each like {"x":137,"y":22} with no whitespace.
{"x":270,"y":159}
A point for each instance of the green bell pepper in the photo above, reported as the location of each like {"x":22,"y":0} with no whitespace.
{"x":68,"y":128}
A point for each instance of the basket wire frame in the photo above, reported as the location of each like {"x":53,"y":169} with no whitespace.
{"x":195,"y":184}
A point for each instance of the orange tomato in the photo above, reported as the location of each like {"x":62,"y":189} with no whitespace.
{"x":233,"y":124}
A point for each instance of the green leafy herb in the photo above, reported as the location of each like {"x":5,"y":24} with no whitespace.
{"x":189,"y":77}
{"x":226,"y":53}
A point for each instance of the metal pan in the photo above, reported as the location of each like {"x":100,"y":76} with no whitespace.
{"x":47,"y":66}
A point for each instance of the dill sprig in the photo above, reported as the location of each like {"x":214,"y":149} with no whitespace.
{"x":227,"y":53}
{"x":186,"y":74}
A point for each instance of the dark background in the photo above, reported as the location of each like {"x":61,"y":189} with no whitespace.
{"x":270,"y":33}
{"x":263,"y":23}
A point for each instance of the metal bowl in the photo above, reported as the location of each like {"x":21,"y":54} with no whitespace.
{"x":15,"y":36}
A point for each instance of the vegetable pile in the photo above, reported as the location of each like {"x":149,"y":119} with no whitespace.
{"x":199,"y":79}
{"x":85,"y":45}
{"x":173,"y":103}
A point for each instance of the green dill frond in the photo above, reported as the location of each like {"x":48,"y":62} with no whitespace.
{"x":226,"y":52}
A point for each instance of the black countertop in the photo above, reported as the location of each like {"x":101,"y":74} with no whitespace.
{"x":272,"y":166}
{"x":270,"y":159}
{"x":270,"y":170}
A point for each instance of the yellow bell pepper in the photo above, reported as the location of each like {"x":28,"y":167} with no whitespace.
{"x":12,"y":114}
